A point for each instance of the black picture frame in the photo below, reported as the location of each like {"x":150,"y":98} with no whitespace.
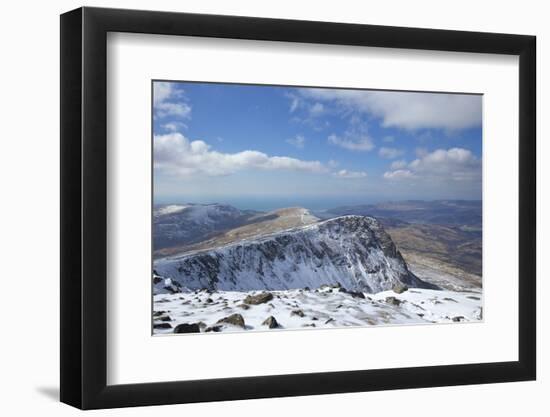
{"x":84,"y":207}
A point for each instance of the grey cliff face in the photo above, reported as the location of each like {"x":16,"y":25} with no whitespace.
{"x":353,"y":251}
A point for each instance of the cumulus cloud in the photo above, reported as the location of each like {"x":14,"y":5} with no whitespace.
{"x":390,"y":153}
{"x":400,"y":164}
{"x":406,"y":110}
{"x":177,"y":155}
{"x":174,"y":126}
{"x":344,"y":173}
{"x":169,"y":100}
{"x":455,"y":164}
{"x":298,"y":141}
{"x":398,"y":174}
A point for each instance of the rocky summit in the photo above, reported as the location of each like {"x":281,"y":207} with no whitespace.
{"x":352,"y":251}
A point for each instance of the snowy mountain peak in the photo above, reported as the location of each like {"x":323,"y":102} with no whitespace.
{"x":353,"y":251}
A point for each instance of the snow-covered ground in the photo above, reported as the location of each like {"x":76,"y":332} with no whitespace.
{"x":303,"y":308}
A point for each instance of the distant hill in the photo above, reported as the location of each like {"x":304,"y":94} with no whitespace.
{"x":182,"y":224}
{"x":466,"y":213}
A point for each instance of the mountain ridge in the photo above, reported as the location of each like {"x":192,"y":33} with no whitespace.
{"x":353,"y":251}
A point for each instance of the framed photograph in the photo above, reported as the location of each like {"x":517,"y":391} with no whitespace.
{"x":258,"y":208}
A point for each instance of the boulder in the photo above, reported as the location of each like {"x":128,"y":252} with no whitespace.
{"x":261,"y":298}
{"x":399,"y":288}
{"x":214,"y":329}
{"x":234,"y":319}
{"x":187,"y":328}
{"x":162,"y":326}
{"x":271,"y":322}
{"x":356,"y":294}
{"x":297,"y":312}
{"x":393,"y":301}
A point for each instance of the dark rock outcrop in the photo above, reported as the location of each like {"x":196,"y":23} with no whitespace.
{"x":187,"y":328}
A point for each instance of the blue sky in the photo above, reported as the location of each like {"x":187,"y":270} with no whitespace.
{"x":266,"y":147}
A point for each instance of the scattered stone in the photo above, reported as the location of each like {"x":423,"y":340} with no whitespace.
{"x":298,"y":313}
{"x":165,"y":318}
{"x":162,"y":326}
{"x":356,"y":294}
{"x":309,"y":325}
{"x":329,"y":320}
{"x":244,"y":306}
{"x":271,"y":322}
{"x":209,"y":300}
{"x":261,"y":298}
{"x":339,"y":306}
{"x":393,"y":301}
{"x":471,"y":297}
{"x":456,"y":319}
{"x":214,"y":329}
{"x":420,"y":314}
{"x":158,"y":313}
{"x":399,"y":288}
{"x":307,"y":289}
{"x":450,"y":299}
{"x":234,"y":319}
{"x":478,"y":315}
{"x":187,"y":328}
{"x":156,"y":280}
{"x":314,"y":318}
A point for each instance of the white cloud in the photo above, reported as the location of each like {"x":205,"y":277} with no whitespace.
{"x":407,"y":110}
{"x":344,"y":173}
{"x":455,"y":164}
{"x":177,"y":155}
{"x":168,"y":100}
{"x":356,"y":138}
{"x":398,"y":174}
{"x":174,"y":126}
{"x":162,"y":91}
{"x":294,"y":104}
{"x":173,"y":109}
{"x":390,"y":153}
{"x":316,"y":109}
{"x":352,"y":144}
{"x":398,"y":164}
{"x":298,"y":141}
{"x":388,"y":139}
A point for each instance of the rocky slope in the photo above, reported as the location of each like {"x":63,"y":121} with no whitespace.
{"x":353,"y":251}
{"x":327,"y":307}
